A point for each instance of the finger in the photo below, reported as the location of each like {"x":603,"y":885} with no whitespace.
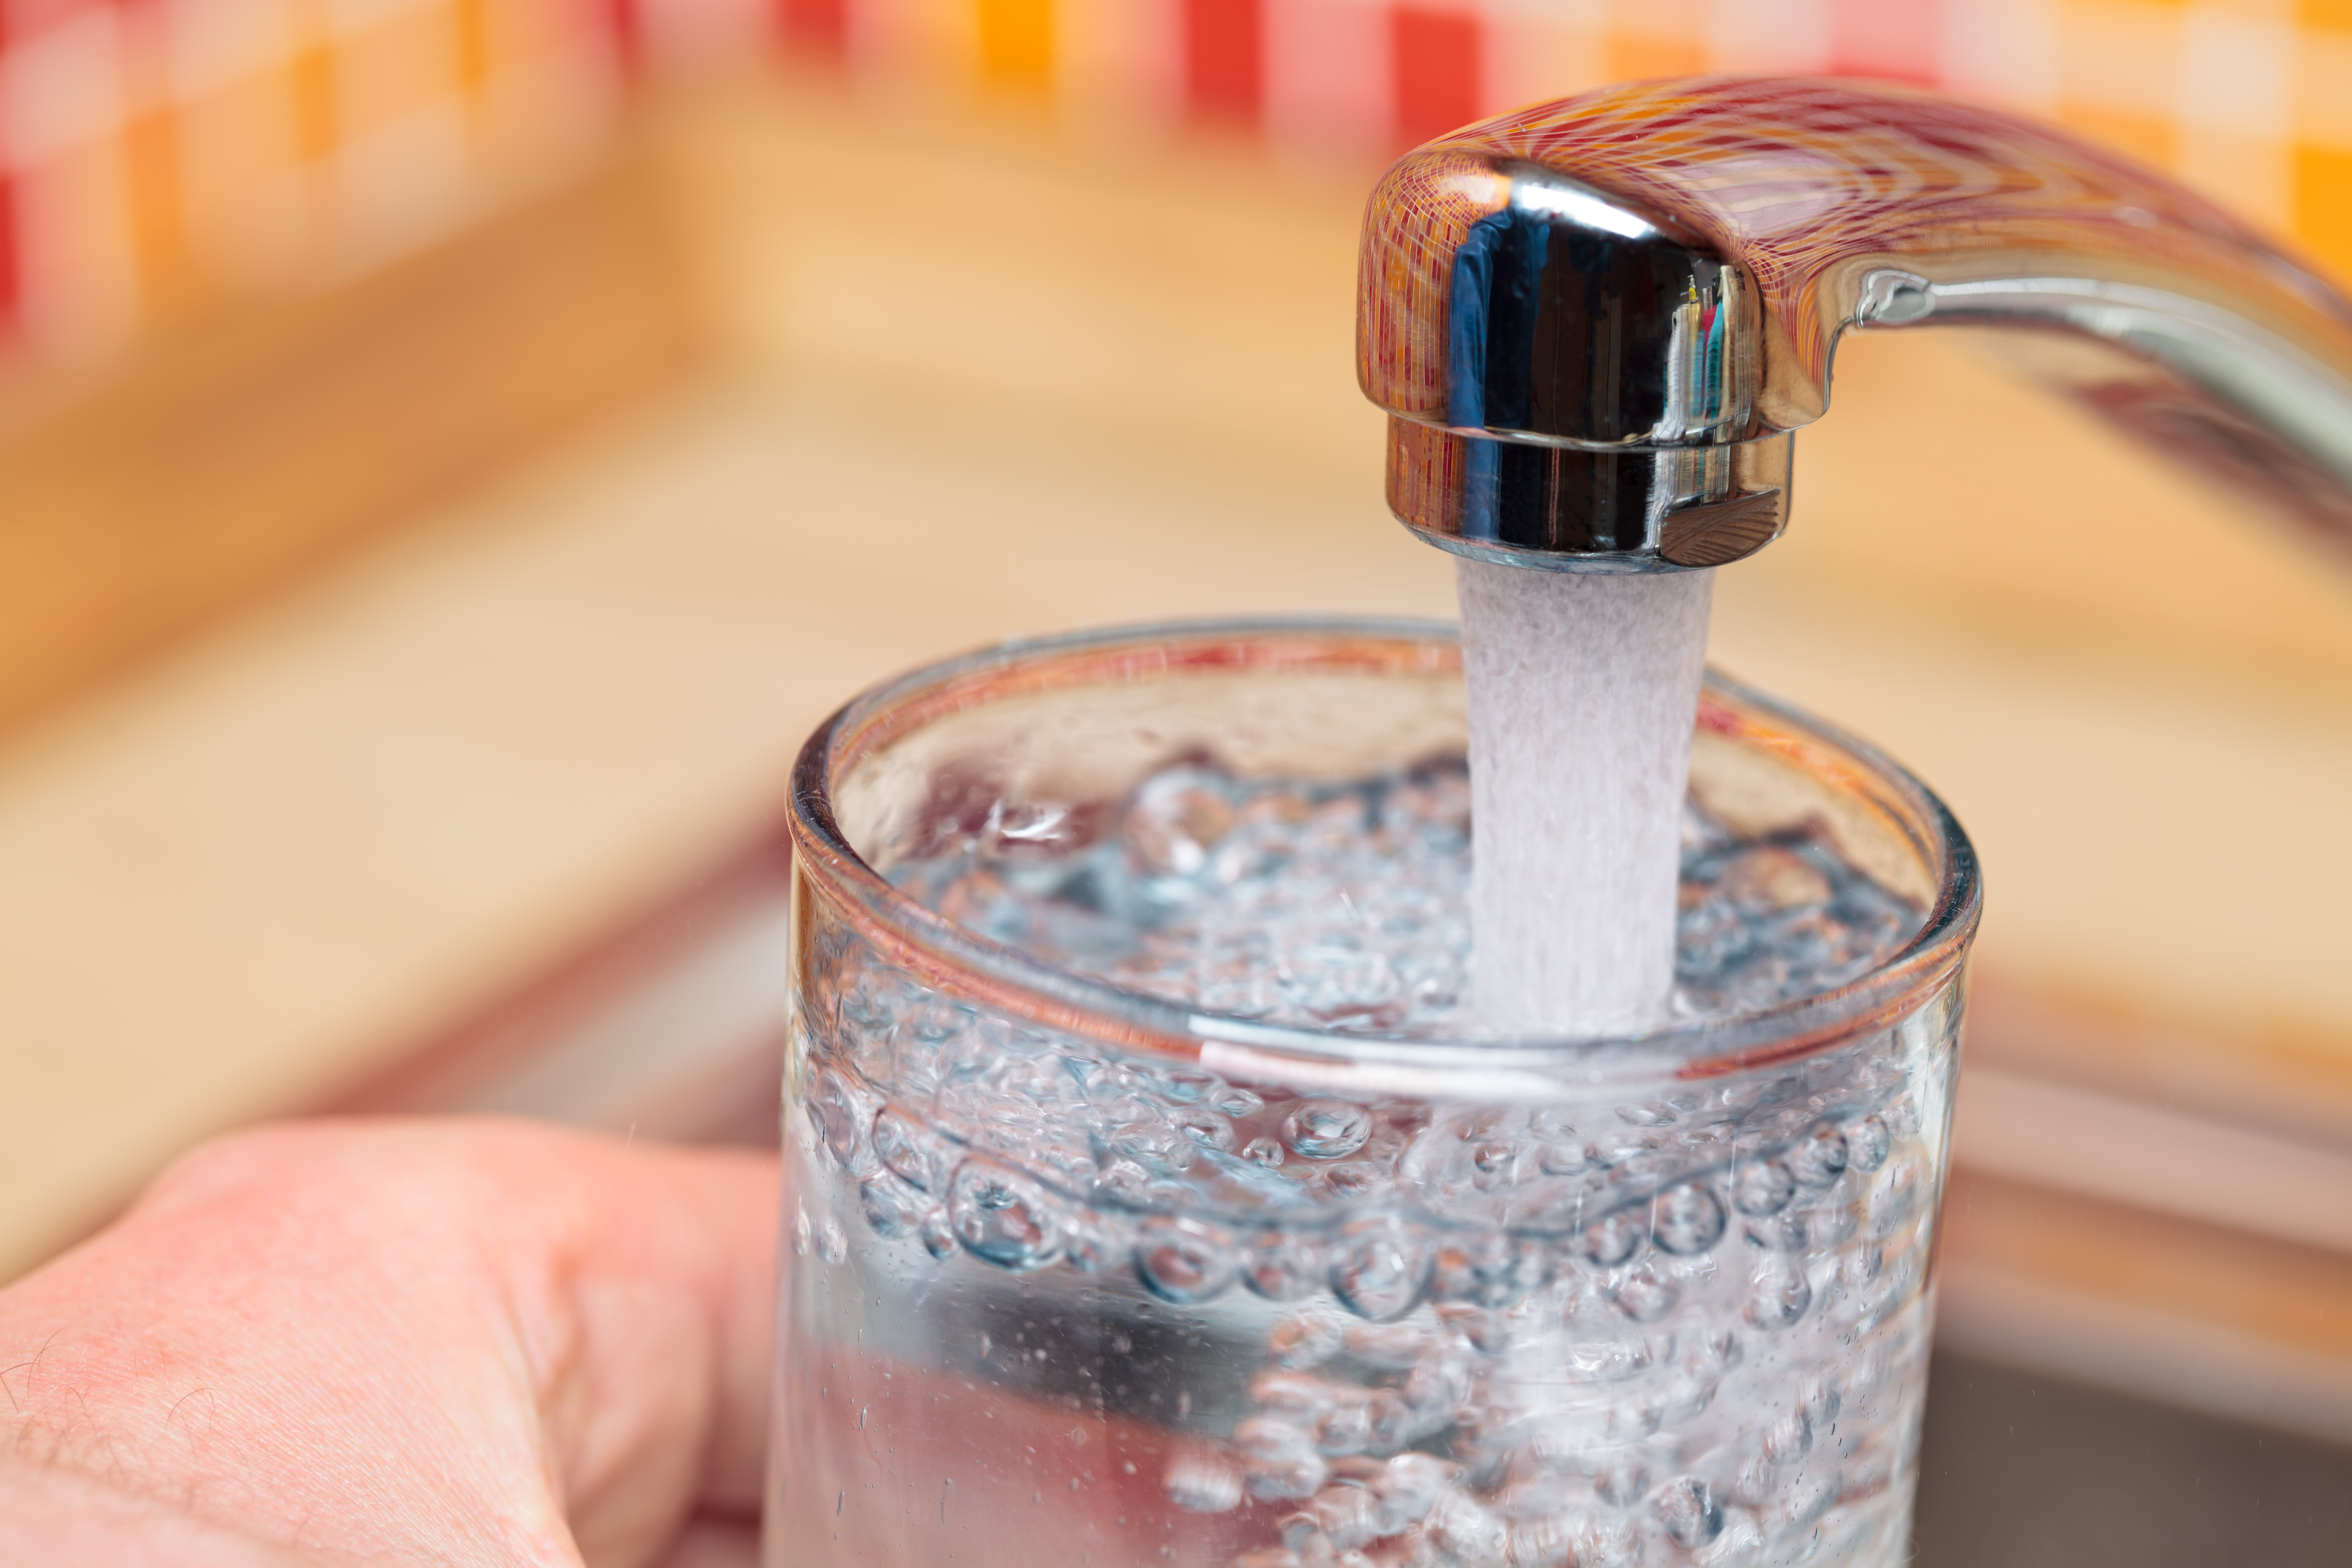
{"x":664,"y":1287}
{"x":461,"y":1340}
{"x":52,"y":1518}
{"x":715,"y":1545}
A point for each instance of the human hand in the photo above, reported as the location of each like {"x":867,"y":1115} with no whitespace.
{"x":447,"y":1342}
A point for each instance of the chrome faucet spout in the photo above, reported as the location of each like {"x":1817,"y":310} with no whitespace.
{"x":1595,"y":324}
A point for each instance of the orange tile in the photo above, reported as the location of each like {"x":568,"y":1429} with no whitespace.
{"x":314,"y":69}
{"x":2144,"y":136}
{"x":473,"y":44}
{"x":159,"y":234}
{"x":2322,"y":204}
{"x":1017,"y":44}
{"x":1629,"y":58}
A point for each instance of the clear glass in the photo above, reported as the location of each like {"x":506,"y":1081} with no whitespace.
{"x":1520,"y":1303}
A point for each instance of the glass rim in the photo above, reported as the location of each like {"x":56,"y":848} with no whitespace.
{"x":1003,"y":977}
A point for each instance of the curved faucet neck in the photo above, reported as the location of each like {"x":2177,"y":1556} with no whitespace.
{"x":1594,"y":322}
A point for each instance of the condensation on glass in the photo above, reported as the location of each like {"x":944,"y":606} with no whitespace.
{"x":1075,"y":1275}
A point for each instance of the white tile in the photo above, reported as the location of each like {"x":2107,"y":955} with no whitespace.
{"x":1328,"y":74}
{"x":2120,"y":55}
{"x":2236,"y":73}
{"x":2003,"y":50}
{"x":213,"y":44}
{"x":61,"y":88}
{"x":1790,"y":35}
{"x":1527,"y":58}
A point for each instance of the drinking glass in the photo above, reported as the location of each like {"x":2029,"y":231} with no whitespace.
{"x":1079,"y":1273}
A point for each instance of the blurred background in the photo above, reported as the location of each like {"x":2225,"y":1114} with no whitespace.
{"x":452,"y":451}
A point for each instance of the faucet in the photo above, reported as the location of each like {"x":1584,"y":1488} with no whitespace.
{"x":1596,"y":323}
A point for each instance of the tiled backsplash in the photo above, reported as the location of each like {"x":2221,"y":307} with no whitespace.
{"x":158,"y":152}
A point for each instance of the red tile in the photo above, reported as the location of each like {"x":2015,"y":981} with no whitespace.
{"x":1225,"y":60}
{"x":11,"y":280}
{"x":1433,"y":65}
{"x":814,"y":30}
{"x":1897,"y":41}
{"x":624,"y":23}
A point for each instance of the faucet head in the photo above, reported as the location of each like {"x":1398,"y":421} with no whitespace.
{"x":1571,"y":378}
{"x":1594,"y":323}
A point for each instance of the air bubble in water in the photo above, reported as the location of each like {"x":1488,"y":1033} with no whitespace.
{"x":1492,"y":1270}
{"x":1563,"y":1157}
{"x":1489,"y":1330}
{"x":937,"y":1233}
{"x":1821,"y":1400}
{"x":1782,"y":1232}
{"x":835,"y":1110}
{"x":1439,"y":1386}
{"x":1644,"y":1296}
{"x":1739,"y":1543}
{"x":1326,"y":1129}
{"x":1392,"y":1347}
{"x":832,"y":1242}
{"x":1494,"y":1161}
{"x":1819,"y":1157}
{"x":1185,"y":1085}
{"x":1779,"y":1294}
{"x":1348,"y":1516}
{"x":1295,"y":1397}
{"x":1689,"y":1219}
{"x":1151,"y":1141}
{"x":1002,"y":1216}
{"x":1686,"y":1507}
{"x":1790,"y":1438}
{"x":1182,"y":1260}
{"x":1461,"y":1526}
{"x":1379,"y":1271}
{"x":1175,"y":819}
{"x":1409,"y":1486}
{"x":1202,"y":1483}
{"x":1282,"y":1265}
{"x":892,"y":1204}
{"x":1094,"y":1241}
{"x":1901,"y":1115}
{"x":1306,"y":1340}
{"x":1280,"y":1460}
{"x":1352,"y":1425}
{"x":912,"y":1150}
{"x":1867,"y":1142}
{"x":1612,"y":1239}
{"x":1210,"y":1129}
{"x":1762,"y":1188}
